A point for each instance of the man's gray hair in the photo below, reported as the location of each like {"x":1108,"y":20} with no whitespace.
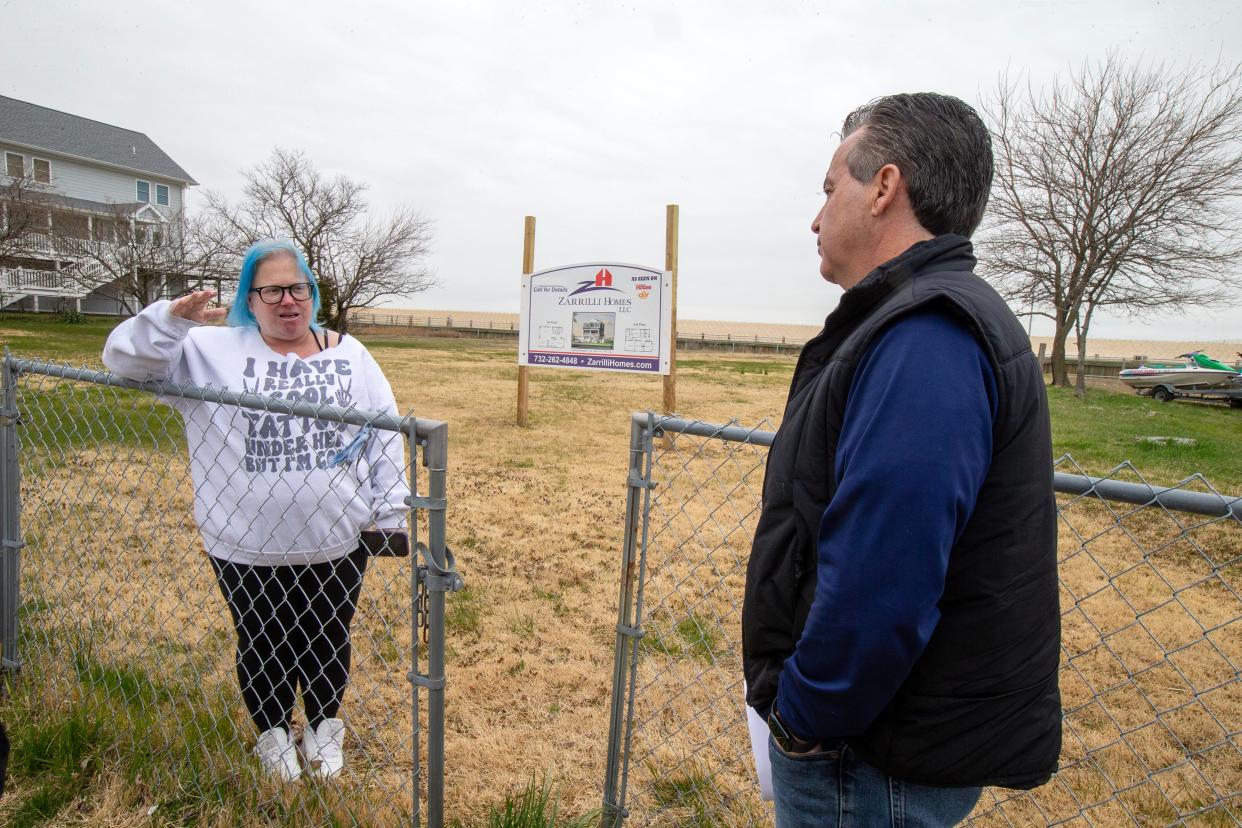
{"x":942,"y":148}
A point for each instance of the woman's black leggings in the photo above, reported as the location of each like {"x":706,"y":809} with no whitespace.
{"x":292,"y":631}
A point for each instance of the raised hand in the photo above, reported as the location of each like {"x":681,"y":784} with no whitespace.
{"x":196,"y":307}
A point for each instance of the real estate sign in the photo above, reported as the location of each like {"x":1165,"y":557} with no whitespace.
{"x":606,"y":317}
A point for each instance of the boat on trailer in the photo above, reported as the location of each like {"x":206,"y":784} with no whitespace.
{"x":1199,"y":371}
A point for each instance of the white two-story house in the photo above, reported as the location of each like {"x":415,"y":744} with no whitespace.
{"x":93,"y":186}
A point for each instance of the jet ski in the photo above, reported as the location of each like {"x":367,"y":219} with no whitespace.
{"x":1198,"y":371}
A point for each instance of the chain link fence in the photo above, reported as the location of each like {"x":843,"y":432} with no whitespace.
{"x":1151,"y":584}
{"x":122,"y":657}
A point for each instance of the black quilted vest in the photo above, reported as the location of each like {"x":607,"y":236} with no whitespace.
{"x":981,"y":705}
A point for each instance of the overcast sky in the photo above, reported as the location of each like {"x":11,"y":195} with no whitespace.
{"x":590,"y":116}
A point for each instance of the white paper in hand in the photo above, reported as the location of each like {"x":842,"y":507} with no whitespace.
{"x":759,"y":748}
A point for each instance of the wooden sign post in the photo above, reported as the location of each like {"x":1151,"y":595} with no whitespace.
{"x":528,"y":267}
{"x":670,"y":264}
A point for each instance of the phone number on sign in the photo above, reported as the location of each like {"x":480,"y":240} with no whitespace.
{"x":553,"y":359}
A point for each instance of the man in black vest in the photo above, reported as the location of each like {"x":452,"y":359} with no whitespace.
{"x":901,"y":625}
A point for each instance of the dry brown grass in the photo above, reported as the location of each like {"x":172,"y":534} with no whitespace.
{"x":535,"y":518}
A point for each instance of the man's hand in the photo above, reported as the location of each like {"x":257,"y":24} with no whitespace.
{"x":195,"y":307}
{"x":785,"y":739}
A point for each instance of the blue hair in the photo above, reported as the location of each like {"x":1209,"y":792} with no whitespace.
{"x":259,"y":252}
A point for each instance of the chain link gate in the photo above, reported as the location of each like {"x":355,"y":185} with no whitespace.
{"x":111,"y":619}
{"x":1151,"y":664}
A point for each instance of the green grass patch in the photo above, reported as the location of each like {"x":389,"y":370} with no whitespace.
{"x":48,"y":336}
{"x":523,"y":626}
{"x":691,"y":795}
{"x":123,"y":684}
{"x":554,"y":598}
{"x":58,"y":746}
{"x":387,"y":648}
{"x":57,"y":414}
{"x":60,"y":756}
{"x":32,"y":607}
{"x":691,"y":636}
{"x":463,"y":613}
{"x":1104,"y":429}
{"x":537,"y":806}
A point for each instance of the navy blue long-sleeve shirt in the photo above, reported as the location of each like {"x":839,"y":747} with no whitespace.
{"x":914,"y":449}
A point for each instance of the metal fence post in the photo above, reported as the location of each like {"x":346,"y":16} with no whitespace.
{"x":436,"y":576}
{"x":442,"y":577}
{"x":411,"y":437}
{"x":10,"y":525}
{"x":636,"y":484}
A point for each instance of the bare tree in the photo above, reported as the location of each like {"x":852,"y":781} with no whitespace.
{"x":23,"y":216}
{"x":135,"y":262}
{"x":359,"y":261}
{"x":1116,"y":187}
{"x":23,"y":210}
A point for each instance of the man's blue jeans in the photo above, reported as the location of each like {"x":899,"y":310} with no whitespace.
{"x":835,"y":789}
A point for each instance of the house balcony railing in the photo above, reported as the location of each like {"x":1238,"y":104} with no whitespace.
{"x":25,"y":280}
{"x":16,"y":282}
{"x":49,"y":245}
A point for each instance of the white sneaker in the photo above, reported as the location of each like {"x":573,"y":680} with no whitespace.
{"x":278,"y":754}
{"x":323,"y":748}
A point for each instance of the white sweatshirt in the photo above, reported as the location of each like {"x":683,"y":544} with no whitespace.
{"x":260,"y":497}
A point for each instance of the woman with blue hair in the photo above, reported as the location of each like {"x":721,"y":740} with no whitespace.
{"x":280,"y":500}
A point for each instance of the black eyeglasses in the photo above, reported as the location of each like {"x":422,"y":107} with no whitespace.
{"x":275,"y":294}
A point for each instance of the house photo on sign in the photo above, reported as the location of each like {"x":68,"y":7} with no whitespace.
{"x":608,"y":317}
{"x":594,"y":330}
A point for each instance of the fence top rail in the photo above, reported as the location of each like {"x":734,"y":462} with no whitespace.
{"x":430,"y":430}
{"x":1169,"y":497}
{"x":1143,"y":494}
{"x":730,"y":432}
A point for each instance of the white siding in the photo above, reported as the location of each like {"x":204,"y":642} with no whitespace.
{"x":82,"y":180}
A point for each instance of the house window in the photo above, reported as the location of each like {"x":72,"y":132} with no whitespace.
{"x":14,"y":164}
{"x":144,"y":192}
{"x":161,"y":194}
{"x":42,"y":170}
{"x":103,"y":230}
